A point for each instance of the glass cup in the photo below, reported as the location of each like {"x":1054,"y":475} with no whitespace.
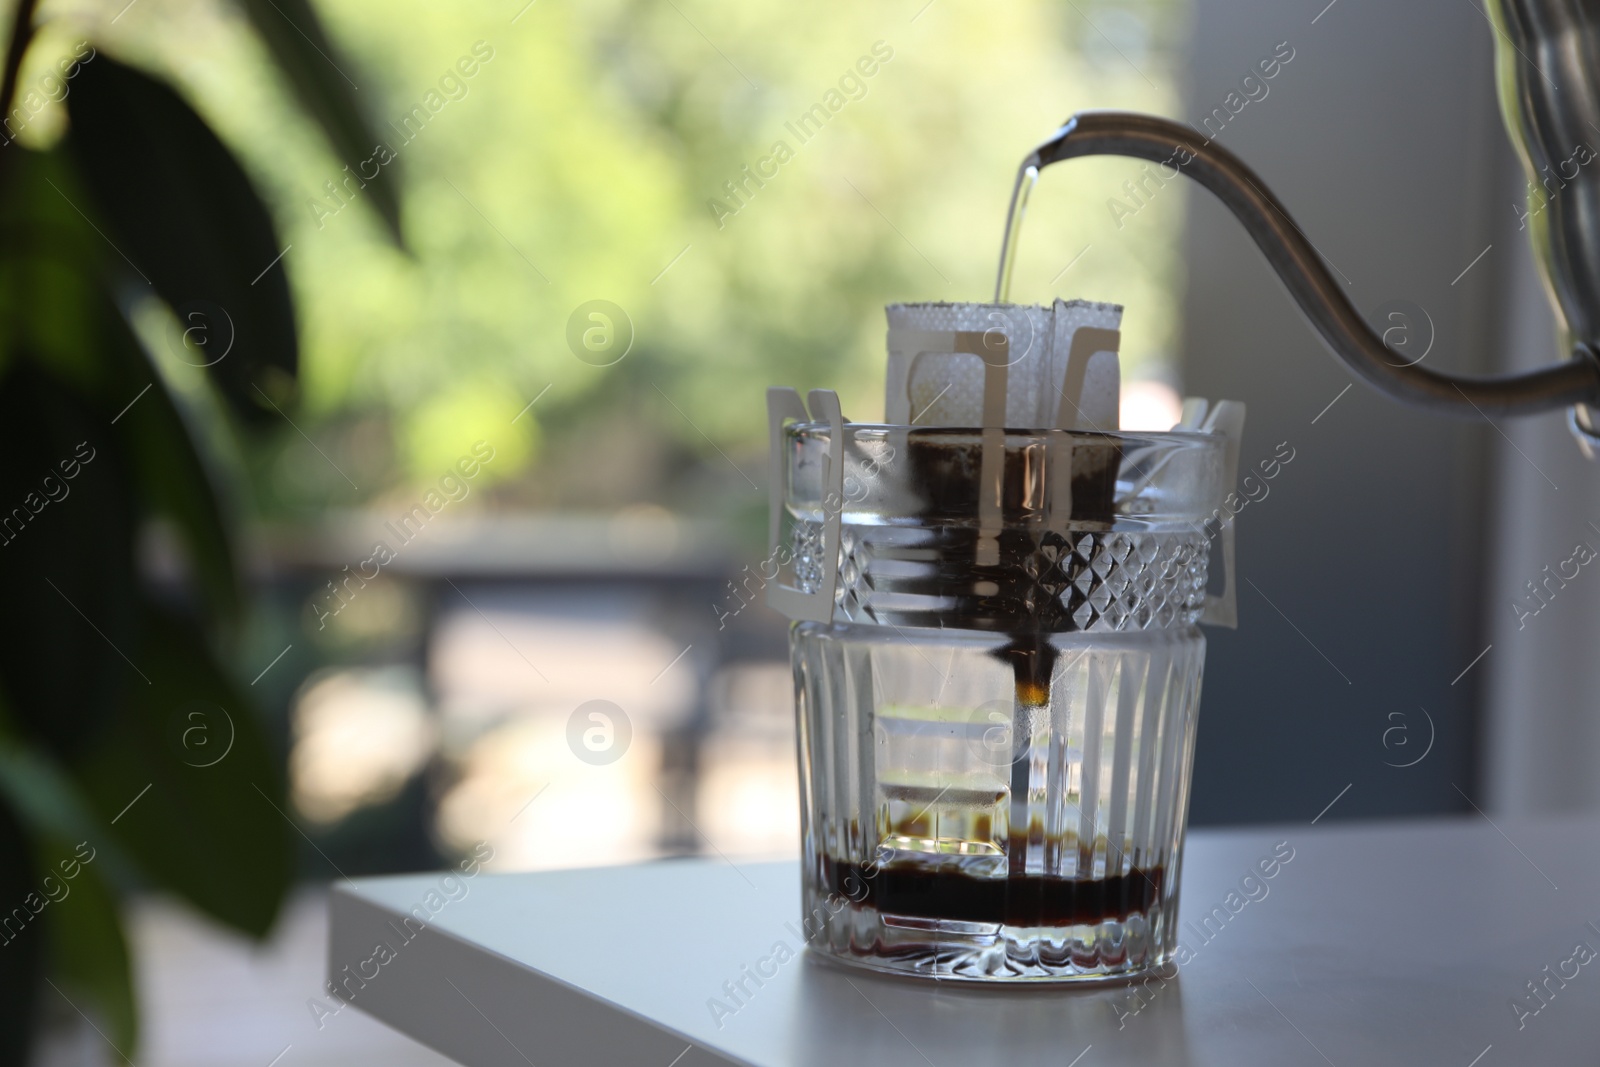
{"x":997,"y":708}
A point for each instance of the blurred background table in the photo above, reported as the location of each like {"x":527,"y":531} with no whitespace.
{"x":1394,"y":943}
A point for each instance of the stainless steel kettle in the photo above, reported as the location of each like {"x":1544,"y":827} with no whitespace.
{"x":1548,"y":68}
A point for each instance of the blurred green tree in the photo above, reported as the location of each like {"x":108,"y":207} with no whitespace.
{"x":583,"y":158}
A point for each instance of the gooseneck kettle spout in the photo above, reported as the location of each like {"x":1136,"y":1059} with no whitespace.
{"x":1297,"y":264}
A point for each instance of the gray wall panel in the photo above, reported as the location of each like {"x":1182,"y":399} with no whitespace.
{"x":1359,"y":599}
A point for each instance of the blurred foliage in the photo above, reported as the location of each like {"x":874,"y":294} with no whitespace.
{"x":145,"y":320}
{"x":576,"y":162}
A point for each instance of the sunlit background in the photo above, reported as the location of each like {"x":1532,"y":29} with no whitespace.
{"x":498,"y":538}
{"x":588,"y":156}
{"x":585,"y":158}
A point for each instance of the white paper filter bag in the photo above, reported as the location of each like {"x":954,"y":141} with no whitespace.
{"x":1004,"y":365}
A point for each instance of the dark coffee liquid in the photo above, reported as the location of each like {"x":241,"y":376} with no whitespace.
{"x":1017,"y":900}
{"x":1025,"y":593}
{"x":1031,"y":598}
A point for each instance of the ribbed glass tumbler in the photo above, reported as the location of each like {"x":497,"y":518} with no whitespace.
{"x":997,"y":722}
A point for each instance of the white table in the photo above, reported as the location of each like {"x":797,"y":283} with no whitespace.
{"x":1380,"y":943}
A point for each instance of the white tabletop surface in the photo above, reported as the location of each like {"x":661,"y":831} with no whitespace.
{"x":1377,"y":943}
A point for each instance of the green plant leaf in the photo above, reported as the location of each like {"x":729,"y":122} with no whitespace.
{"x":322,"y":78}
{"x":49,"y":268}
{"x":67,"y":527}
{"x":179,"y":207}
{"x":21,"y":958}
{"x":54,"y":310}
{"x":47,"y":800}
{"x":43,"y":796}
{"x":87,"y":950}
{"x":186,"y":772}
{"x":171,"y":475}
